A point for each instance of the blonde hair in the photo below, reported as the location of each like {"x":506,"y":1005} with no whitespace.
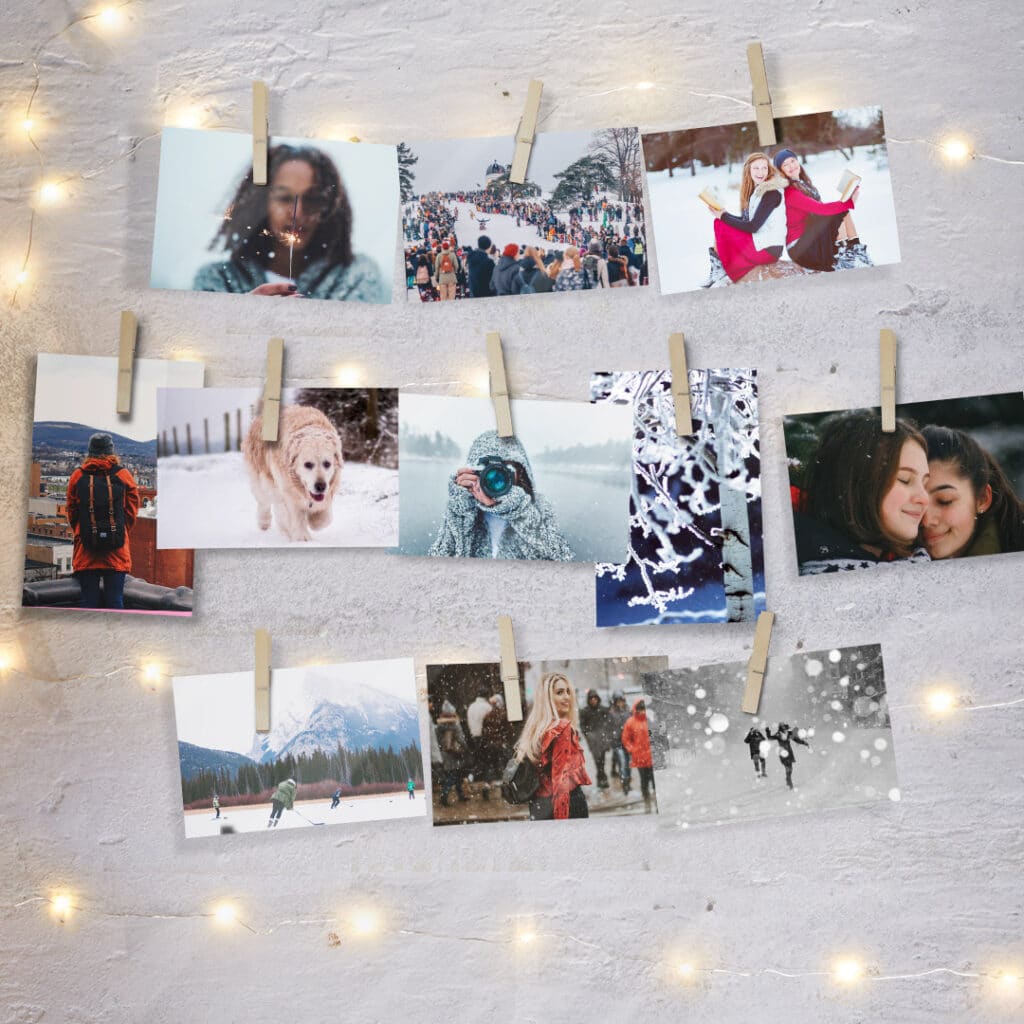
{"x":572,"y":253}
{"x":747,"y":185}
{"x":543,"y":715}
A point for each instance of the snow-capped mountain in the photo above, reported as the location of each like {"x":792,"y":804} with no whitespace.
{"x":363,"y":717}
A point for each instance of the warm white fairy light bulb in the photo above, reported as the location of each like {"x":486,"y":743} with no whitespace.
{"x":28,"y":124}
{"x":686,"y":971}
{"x":1008,"y":979}
{"x":61,"y":905}
{"x":482,"y":382}
{"x":365,"y":922}
{"x":526,"y":936}
{"x":955,"y":149}
{"x":50,"y":192}
{"x":644,"y":86}
{"x":151,"y":672}
{"x":108,"y":17}
{"x":5,"y":661}
{"x":941,"y":702}
{"x":225,"y":914}
{"x":348,"y":376}
{"x":848,"y":971}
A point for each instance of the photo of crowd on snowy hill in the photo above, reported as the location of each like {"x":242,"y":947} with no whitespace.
{"x":343,"y":747}
{"x":696,"y":550}
{"x":820,"y":740}
{"x":726,"y":209}
{"x":323,"y":226}
{"x":92,"y":529}
{"x":558,"y":490}
{"x":947,"y":483}
{"x":577,"y":223}
{"x":330,"y":478}
{"x":585,"y":747}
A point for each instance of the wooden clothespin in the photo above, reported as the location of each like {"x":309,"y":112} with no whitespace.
{"x":887,"y":360}
{"x":126,"y":361}
{"x":680,"y":384}
{"x":272,"y":388}
{"x":262,"y":681}
{"x":499,"y":385}
{"x":762,"y":97}
{"x":509,"y":669}
{"x":758,"y":663}
{"x":260,"y":132}
{"x":525,"y":133}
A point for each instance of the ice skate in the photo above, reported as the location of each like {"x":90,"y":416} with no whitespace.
{"x":717,"y":271}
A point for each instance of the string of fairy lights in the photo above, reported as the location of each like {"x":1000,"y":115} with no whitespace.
{"x":523,"y":934}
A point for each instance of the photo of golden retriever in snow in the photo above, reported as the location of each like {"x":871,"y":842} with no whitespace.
{"x":297,"y":476}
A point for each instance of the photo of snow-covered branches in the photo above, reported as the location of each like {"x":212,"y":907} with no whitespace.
{"x":821,"y":738}
{"x":693,"y":174}
{"x":215,"y":494}
{"x":562,"y":481}
{"x":696,"y":551}
{"x":576,"y":223}
{"x":343,"y":747}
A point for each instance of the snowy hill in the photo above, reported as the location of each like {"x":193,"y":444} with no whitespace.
{"x":205,"y":502}
{"x":195,"y":759}
{"x":364,"y":717}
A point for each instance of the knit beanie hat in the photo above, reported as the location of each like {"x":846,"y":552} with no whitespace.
{"x":782,"y":156}
{"x":483,"y":242}
{"x":101,"y":444}
{"x":510,"y":250}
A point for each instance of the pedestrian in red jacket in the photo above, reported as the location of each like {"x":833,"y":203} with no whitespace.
{"x":102,"y":505}
{"x":636,"y":738}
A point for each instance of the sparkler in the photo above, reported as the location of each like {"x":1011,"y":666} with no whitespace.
{"x":292,"y":236}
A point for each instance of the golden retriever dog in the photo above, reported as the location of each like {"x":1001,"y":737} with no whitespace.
{"x":297,"y":476}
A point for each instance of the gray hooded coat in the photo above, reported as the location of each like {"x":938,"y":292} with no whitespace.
{"x":530,"y":527}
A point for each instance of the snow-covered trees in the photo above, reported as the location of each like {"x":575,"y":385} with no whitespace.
{"x":406,"y":160}
{"x":578,"y":182}
{"x":366,"y":420}
{"x":695,"y":546}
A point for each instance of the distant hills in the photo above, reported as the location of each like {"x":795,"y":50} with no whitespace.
{"x":198,"y":759}
{"x":60,"y":436}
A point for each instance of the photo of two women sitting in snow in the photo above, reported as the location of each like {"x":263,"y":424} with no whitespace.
{"x":726,"y":209}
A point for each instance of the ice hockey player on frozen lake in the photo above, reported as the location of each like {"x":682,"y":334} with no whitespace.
{"x":753,"y":740}
{"x":786,"y":737}
{"x":284,"y":796}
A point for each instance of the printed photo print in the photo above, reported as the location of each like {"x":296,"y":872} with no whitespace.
{"x":583,"y":748}
{"x":821,"y":739}
{"x":726,"y":209}
{"x":330,"y":478}
{"x":577,"y":223}
{"x":343,"y":747}
{"x":92,"y":501}
{"x":695,"y":549}
{"x":556,"y":491}
{"x":323,"y":227}
{"x":946,"y":484}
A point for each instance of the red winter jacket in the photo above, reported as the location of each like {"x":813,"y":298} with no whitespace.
{"x":636,"y":738}
{"x":562,"y":766}
{"x":120,"y":559}
{"x":799,"y":205}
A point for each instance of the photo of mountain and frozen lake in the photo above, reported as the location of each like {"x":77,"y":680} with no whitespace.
{"x":344,"y":747}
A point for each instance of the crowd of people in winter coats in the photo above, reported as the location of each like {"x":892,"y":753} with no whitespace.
{"x":603,"y":245}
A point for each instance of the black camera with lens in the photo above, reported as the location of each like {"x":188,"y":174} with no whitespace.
{"x":497,"y":477}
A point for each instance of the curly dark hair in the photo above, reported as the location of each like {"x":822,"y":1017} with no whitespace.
{"x":245,"y":232}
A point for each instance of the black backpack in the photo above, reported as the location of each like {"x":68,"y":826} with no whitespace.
{"x":519,"y":781}
{"x":591,"y":277}
{"x":101,"y":510}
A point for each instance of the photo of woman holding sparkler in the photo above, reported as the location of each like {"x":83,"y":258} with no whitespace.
{"x":293,"y":236}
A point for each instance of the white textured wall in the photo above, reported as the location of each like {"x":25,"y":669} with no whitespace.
{"x":88,"y":772}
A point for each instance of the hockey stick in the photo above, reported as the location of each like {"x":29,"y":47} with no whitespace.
{"x":304,"y":818}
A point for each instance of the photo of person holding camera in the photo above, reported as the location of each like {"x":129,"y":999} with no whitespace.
{"x":494,"y":510}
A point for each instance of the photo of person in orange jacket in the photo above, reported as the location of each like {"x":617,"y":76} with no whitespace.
{"x":636,"y":738}
{"x":102,"y":505}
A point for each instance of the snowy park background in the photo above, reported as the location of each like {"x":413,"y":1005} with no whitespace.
{"x":353,"y":725}
{"x":834,"y":700}
{"x":589,"y":490}
{"x":205,"y":500}
{"x":683,"y":225}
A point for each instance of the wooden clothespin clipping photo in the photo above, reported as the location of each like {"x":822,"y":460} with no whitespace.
{"x":262,"y":681}
{"x":126,"y":361}
{"x":260,"y":132}
{"x":758,"y":664}
{"x":509,"y":669}
{"x":499,"y":384}
{"x":887,"y":361}
{"x":525,"y":132}
{"x":762,"y":97}
{"x":272,"y":389}
{"x":680,"y":384}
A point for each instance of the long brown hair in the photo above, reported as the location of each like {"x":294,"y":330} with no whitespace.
{"x":245,"y":232}
{"x":972,"y":462}
{"x":747,"y":185}
{"x":850,"y":473}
